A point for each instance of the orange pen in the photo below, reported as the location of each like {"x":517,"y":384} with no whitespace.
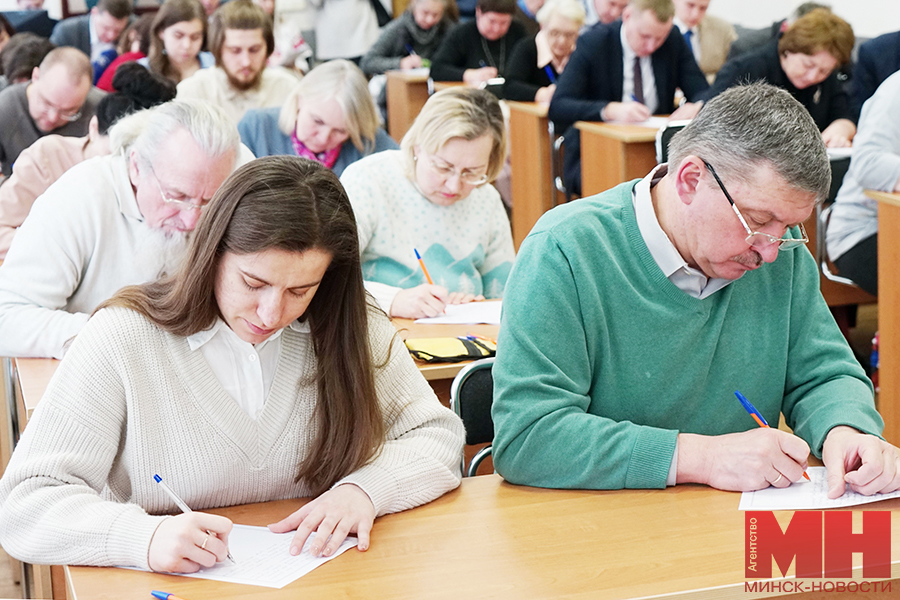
{"x":424,"y":270}
{"x":757,"y":416}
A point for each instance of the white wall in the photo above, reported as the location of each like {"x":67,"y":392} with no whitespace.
{"x":868,"y":17}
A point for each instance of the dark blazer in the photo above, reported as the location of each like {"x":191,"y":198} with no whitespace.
{"x":826,"y":101}
{"x":523,"y":77}
{"x":74,"y":31}
{"x":879,"y":58}
{"x":594,"y":77}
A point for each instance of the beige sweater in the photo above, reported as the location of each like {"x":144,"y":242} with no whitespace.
{"x":130,"y":400}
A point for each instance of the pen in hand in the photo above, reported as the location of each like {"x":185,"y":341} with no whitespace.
{"x":181,"y":504}
{"x":757,"y":416}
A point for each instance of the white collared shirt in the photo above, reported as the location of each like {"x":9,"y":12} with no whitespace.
{"x":689,"y":280}
{"x":648,"y":81}
{"x":246,"y":371}
{"x":695,"y":36}
{"x":97,"y":47}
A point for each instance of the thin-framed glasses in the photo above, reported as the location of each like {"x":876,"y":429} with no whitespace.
{"x":446,"y":170}
{"x":179,"y":204}
{"x":65,"y":115}
{"x":758,"y":238}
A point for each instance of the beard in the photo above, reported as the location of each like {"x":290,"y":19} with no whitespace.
{"x":241,"y":85}
{"x":170,"y":247}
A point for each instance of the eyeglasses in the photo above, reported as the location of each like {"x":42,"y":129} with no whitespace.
{"x":182,"y":205}
{"x":447,"y":170}
{"x":758,"y":238}
{"x":47,"y":106}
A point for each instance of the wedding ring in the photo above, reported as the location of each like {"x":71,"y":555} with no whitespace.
{"x":206,"y":539}
{"x":777,"y":480}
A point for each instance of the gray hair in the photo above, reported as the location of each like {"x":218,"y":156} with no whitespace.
{"x":750,"y":125}
{"x":567,"y":9}
{"x":145,"y":131}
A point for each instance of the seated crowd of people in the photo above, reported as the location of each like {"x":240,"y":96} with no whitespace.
{"x":203,"y":216}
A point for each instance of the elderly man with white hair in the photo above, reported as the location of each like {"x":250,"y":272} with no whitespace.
{"x":112,"y":221}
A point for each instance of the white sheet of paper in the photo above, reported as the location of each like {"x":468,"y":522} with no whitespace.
{"x":652,"y":122}
{"x":471,"y":313}
{"x":835,"y":153}
{"x":806,"y":495}
{"x":264,"y":558}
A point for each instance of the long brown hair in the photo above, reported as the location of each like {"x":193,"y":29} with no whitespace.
{"x":170,"y":13}
{"x":292,"y":204}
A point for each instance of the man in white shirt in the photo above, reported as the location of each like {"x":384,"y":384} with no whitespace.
{"x":708,"y":37}
{"x":241,"y":39}
{"x":112,"y":221}
{"x":97,"y":31}
{"x":603,"y":11}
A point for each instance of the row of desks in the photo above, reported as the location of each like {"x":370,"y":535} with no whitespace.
{"x":496,"y":540}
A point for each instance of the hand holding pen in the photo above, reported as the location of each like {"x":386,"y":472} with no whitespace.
{"x":761,"y":421}
{"x":187,"y":542}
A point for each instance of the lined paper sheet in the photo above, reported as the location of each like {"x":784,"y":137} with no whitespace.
{"x":471,"y":313}
{"x":264,"y":558}
{"x":806,"y":495}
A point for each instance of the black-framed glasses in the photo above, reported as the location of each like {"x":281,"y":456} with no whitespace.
{"x":758,"y":238}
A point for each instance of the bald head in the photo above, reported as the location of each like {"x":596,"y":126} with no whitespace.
{"x":59,"y":88}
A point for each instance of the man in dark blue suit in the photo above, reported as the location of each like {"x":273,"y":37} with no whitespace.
{"x":879,"y":58}
{"x":625,"y":71}
{"x":96,"y":31}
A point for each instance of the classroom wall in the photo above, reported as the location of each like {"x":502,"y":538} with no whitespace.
{"x":868,"y":17}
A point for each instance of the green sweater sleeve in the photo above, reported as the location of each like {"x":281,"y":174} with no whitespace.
{"x":549,"y":428}
{"x":825,"y":385}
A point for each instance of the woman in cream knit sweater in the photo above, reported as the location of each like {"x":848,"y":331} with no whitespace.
{"x":257,"y":372}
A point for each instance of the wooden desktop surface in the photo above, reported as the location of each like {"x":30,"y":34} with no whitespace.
{"x":406,"y":92}
{"x":889,"y":312}
{"x":409,"y":330}
{"x":490,"y":539}
{"x":614,"y":153}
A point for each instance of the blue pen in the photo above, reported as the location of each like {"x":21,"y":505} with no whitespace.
{"x":482,"y":64}
{"x":183,"y":506}
{"x":550,"y":74}
{"x":757,"y":416}
{"x":410,"y":51}
{"x":164,"y":595}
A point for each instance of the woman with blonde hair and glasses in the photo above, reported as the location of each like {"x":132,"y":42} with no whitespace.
{"x":329,"y":117}
{"x":433,"y":196}
{"x":328,"y":405}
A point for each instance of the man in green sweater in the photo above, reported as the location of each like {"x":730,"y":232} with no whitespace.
{"x":630,"y":318}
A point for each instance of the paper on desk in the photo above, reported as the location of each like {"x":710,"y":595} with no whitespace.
{"x":836,"y":153}
{"x":652,"y":122}
{"x":264,"y":558}
{"x":806,"y":495}
{"x":470,"y":313}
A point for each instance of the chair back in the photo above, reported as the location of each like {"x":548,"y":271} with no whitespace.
{"x":471,"y":396}
{"x":839,"y":167}
{"x":663,"y":135}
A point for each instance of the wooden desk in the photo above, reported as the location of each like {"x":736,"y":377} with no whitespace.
{"x":489,"y":539}
{"x":406,"y":95}
{"x":888,"y":312}
{"x":530,"y":158}
{"x":612,"y":154}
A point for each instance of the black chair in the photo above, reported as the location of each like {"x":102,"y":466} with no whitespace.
{"x":664,"y":135}
{"x":471,"y":396}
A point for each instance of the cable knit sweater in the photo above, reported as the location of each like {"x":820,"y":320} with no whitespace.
{"x":131,"y":400}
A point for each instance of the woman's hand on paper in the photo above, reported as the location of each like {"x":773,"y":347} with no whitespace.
{"x":746,"y":461}
{"x":424,"y":300}
{"x":463,"y":298}
{"x":332,"y":516}
{"x":185,"y":543}
{"x":869,"y":464}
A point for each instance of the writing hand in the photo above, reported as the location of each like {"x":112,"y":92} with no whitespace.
{"x":185,"y":543}
{"x":746,"y":461}
{"x":338,"y":512}
{"x":424,"y":300}
{"x":865,"y":462}
{"x":474,"y":77}
{"x":626,"y":112}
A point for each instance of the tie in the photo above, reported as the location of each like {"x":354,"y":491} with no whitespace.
{"x":687,"y":38}
{"x":638,"y":81}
